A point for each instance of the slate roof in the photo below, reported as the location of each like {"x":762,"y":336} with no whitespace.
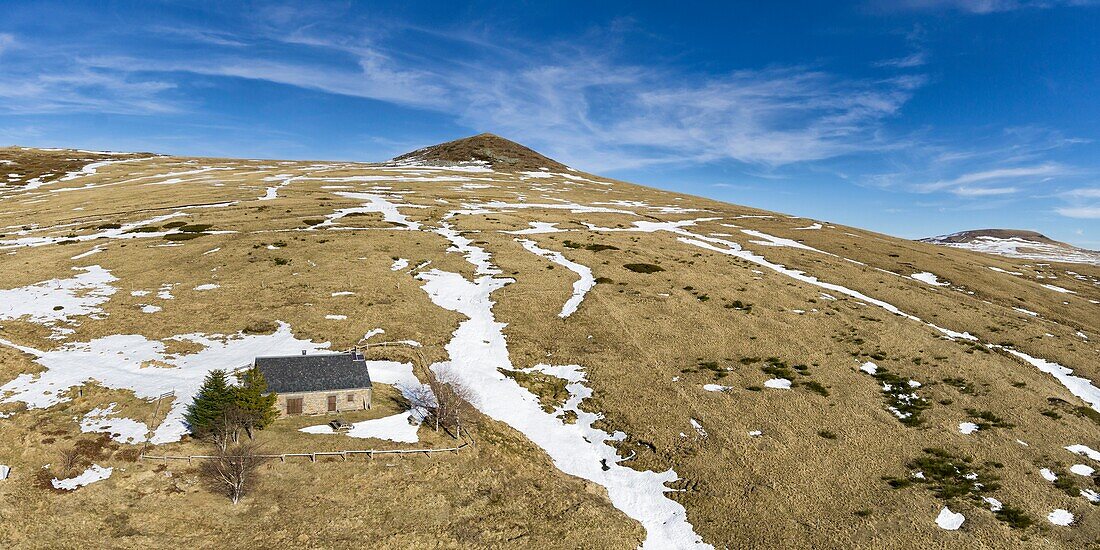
{"x":320,"y":372}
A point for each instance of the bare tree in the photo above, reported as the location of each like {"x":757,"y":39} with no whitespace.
{"x":232,"y":471}
{"x":227,"y":427}
{"x":453,"y":402}
{"x":443,"y":399}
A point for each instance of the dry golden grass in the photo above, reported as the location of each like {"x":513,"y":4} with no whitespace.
{"x":648,"y":343}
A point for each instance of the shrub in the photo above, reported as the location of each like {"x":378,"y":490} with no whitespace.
{"x":1014,"y":517}
{"x":195,"y":228}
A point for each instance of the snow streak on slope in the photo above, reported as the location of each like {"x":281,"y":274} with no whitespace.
{"x":580,"y":288}
{"x":1078,"y":386}
{"x":478,"y":352}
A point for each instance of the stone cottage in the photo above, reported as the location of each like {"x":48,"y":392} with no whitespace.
{"x":317,"y":383}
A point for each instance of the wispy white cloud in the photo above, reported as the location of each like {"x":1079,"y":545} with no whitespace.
{"x":576,"y":103}
{"x":84,"y":90}
{"x":1083,"y":193}
{"x":984,"y":191}
{"x":915,"y":59}
{"x":7,"y":41}
{"x":979,"y":6}
{"x":1083,"y":212}
{"x":963,"y":184}
{"x":1083,"y":202}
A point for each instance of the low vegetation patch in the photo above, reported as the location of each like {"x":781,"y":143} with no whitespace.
{"x":595,"y":247}
{"x":946,"y":475}
{"x":987,"y":419}
{"x":959,"y":384}
{"x":261,"y":327}
{"x":901,"y":397}
{"x":549,"y":389}
{"x":644,"y":268}
{"x":739,"y":306}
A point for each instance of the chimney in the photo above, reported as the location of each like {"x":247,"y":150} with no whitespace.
{"x":303,"y":352}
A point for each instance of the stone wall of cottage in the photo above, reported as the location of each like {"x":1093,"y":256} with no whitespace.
{"x":317,"y":402}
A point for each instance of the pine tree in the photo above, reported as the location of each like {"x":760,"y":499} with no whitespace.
{"x":210,"y":403}
{"x":250,"y":399}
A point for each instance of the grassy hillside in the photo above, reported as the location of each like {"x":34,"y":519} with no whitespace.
{"x":792,"y":373}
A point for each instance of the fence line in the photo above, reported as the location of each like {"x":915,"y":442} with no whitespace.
{"x":156,"y":412}
{"x":312,"y":456}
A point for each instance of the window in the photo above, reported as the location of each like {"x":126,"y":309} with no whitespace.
{"x":294,"y":405}
{"x":351,"y":398}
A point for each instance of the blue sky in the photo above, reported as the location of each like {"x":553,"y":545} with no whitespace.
{"x":911,"y":117}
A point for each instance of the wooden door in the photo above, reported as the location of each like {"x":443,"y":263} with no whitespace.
{"x":294,"y":405}
{"x":331,"y":403}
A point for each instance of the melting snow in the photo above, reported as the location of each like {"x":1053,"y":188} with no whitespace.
{"x":580,"y":287}
{"x":1060,"y":517}
{"x":394,"y":428}
{"x":478,"y":352}
{"x":130,"y":361}
{"x":928,"y":278}
{"x":91,"y":475}
{"x":398,"y":264}
{"x":122,"y":430}
{"x":537,"y":228}
{"x":1079,"y":386}
{"x":1084,"y":450}
{"x":1082,"y":469}
{"x":1048,"y":475}
{"x":778,"y":383}
{"x":967,"y":428}
{"x":207,"y":286}
{"x":59,"y":299}
{"x":1059,"y":289}
{"x":949,"y":520}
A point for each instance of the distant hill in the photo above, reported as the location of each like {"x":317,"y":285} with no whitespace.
{"x":1017,"y":243}
{"x":497,"y":152}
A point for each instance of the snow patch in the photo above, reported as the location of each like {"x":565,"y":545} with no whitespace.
{"x":949,"y":520}
{"x":928,"y":278}
{"x":580,"y":287}
{"x":91,"y":475}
